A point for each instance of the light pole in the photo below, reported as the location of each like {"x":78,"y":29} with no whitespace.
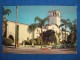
{"x":16,"y":31}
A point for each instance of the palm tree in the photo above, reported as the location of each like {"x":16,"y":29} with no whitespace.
{"x":62,"y":33}
{"x":5,"y":12}
{"x":65,"y":23}
{"x":32,"y":28}
{"x":41,"y":24}
{"x":4,"y":27}
{"x":58,"y":34}
{"x":72,"y":27}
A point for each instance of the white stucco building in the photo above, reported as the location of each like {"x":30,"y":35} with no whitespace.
{"x":22,"y":31}
{"x":24,"y":34}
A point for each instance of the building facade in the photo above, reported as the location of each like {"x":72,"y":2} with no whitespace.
{"x":24,"y":34}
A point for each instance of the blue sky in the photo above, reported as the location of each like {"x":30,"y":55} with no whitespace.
{"x":26,"y":14}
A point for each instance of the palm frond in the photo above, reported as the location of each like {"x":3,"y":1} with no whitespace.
{"x":68,"y":20}
{"x":64,"y":21}
{"x":32,"y":27}
{"x":38,"y":19}
{"x":61,"y":25}
{"x":46,"y":19}
{"x":6,"y":11}
{"x":74,"y":21}
{"x":56,"y":25}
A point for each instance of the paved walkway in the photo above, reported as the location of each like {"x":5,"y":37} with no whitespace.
{"x":37,"y":50}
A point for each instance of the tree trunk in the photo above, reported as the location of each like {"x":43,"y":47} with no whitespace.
{"x":62,"y":35}
{"x":65,"y":32}
{"x":41,"y":37}
{"x":33,"y":40}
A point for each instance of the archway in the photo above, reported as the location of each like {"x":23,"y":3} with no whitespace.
{"x":11,"y":37}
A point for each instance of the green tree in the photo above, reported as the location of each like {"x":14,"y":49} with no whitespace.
{"x":5,"y":12}
{"x":65,"y":23}
{"x":32,"y":28}
{"x":73,"y":31}
{"x":41,"y":24}
{"x":58,"y":34}
{"x":4,"y":28}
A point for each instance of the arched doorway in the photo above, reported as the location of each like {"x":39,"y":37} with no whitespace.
{"x":11,"y":37}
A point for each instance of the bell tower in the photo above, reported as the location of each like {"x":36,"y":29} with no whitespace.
{"x":54,"y":17}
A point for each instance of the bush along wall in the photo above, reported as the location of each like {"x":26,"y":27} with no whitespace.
{"x":7,"y":41}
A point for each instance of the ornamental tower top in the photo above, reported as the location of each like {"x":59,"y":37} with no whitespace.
{"x":54,"y":17}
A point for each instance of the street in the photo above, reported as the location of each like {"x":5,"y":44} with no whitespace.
{"x":36,"y":50}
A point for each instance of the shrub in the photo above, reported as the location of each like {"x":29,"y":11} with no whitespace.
{"x":28,"y":42}
{"x":7,"y":41}
{"x":38,"y":41}
{"x":55,"y":46}
{"x":75,"y":45}
{"x":33,"y":40}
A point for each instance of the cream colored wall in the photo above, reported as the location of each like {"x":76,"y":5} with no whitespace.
{"x":23,"y":32}
{"x":11,"y":29}
{"x":58,"y":20}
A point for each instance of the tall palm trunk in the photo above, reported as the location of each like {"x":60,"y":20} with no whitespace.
{"x":59,"y":34}
{"x":41,"y":24}
{"x":71,"y":37}
{"x":6,"y":31}
{"x":41,"y":37}
{"x":62,"y":34}
{"x":33,"y":39}
{"x":65,"y":32}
